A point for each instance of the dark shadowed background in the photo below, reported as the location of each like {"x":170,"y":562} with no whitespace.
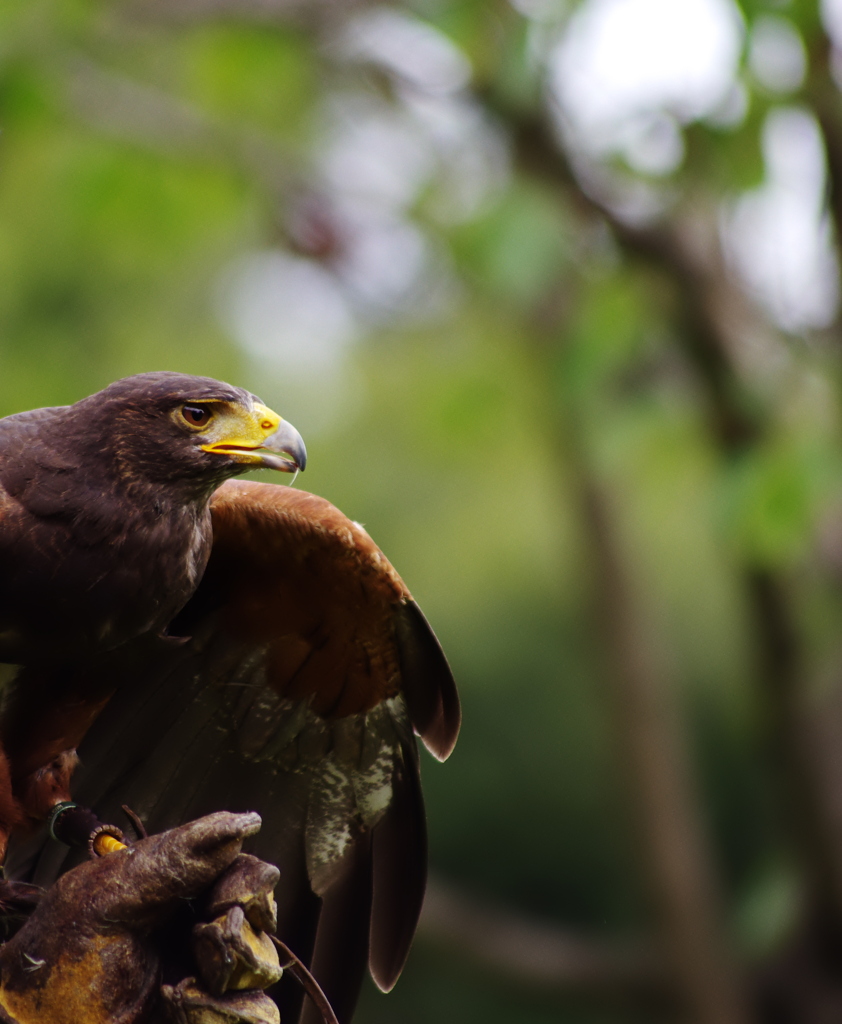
{"x":551,"y":289}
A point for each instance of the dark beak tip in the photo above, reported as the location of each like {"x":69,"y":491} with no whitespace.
{"x":297,"y":454}
{"x":287,"y":442}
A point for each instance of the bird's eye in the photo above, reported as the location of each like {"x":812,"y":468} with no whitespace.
{"x":196,"y":415}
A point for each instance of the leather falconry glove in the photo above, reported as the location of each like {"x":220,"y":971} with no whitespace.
{"x":185,"y":908}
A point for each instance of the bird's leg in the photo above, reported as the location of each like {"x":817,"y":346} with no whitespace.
{"x":80,"y":827}
{"x":45,"y":795}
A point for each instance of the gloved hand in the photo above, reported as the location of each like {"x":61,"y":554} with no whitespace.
{"x":95,"y":950}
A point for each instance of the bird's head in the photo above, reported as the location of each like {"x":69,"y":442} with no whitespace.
{"x":171,"y":428}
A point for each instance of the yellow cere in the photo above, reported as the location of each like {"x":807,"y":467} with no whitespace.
{"x":237,"y":431}
{"x":271,"y":420}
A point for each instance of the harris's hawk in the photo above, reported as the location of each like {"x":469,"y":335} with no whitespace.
{"x":209,"y":644}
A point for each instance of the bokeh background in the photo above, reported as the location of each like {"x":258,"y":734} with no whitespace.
{"x":552,"y":291}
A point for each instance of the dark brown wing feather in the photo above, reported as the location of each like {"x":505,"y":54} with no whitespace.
{"x":399,"y":878}
{"x":426,"y":682}
{"x":307,"y":668}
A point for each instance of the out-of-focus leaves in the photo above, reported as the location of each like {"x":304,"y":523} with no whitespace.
{"x":479,"y":31}
{"x":261,"y":78}
{"x":771,"y":498}
{"x":519,"y":248}
{"x":610,"y":329}
{"x":769,"y":908}
{"x":730,"y":159}
{"x":807,"y":16}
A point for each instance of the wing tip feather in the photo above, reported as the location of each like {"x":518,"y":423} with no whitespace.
{"x":440,"y":737}
{"x":428,"y":682}
{"x":399,"y":843}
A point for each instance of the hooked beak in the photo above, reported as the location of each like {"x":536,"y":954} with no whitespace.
{"x":260,"y":439}
{"x":284,"y":450}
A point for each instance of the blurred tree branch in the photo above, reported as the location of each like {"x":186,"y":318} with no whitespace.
{"x":713,"y":310}
{"x":714,"y":317}
{"x":672,"y":833}
{"x":535,"y":954}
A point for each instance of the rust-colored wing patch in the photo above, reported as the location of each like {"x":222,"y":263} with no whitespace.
{"x":291,"y":574}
